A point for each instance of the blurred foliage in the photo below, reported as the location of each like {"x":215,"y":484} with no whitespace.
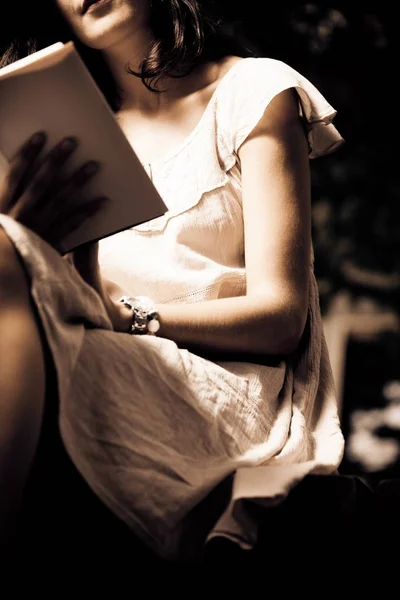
{"x":349,"y":51}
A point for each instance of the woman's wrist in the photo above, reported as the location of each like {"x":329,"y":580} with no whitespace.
{"x":144,"y":314}
{"x":120,"y":316}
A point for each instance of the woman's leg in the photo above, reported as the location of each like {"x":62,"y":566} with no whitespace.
{"x":22,"y":385}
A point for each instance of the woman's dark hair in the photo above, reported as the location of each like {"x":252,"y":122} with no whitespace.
{"x":186,"y":33}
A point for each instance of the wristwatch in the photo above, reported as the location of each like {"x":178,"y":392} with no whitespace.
{"x":144,"y":315}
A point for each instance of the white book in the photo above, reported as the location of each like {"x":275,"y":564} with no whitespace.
{"x":52,"y":90}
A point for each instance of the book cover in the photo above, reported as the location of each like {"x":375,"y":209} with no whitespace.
{"x":52,"y":90}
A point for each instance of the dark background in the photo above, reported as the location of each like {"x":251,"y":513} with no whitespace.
{"x":350,"y":51}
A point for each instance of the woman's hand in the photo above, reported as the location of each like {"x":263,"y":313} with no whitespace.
{"x":36,"y":193}
{"x":85,"y":261}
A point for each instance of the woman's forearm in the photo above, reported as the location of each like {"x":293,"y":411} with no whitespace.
{"x":243,"y":324}
{"x":240,"y":325}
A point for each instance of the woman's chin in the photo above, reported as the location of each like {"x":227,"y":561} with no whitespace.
{"x":105,"y":33}
{"x":106,"y":22}
{"x":111,"y":30}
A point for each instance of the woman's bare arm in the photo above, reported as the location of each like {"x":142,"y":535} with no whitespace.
{"x":276,"y":203}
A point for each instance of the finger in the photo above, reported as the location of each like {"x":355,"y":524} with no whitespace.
{"x":86,"y":257}
{"x":69,"y":199}
{"x":48,"y":172}
{"x":56,"y":207}
{"x":69,"y":224}
{"x":19,"y":166}
{"x":77,"y":181}
{"x":91,"y":250}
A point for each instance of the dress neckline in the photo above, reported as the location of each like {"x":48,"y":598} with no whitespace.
{"x":164,"y":159}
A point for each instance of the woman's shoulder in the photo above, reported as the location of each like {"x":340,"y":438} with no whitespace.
{"x":248,"y":87}
{"x":260,"y":72}
{"x":235,"y":78}
{"x":244,"y":83}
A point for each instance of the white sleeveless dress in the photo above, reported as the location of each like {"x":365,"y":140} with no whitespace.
{"x":154,"y":428}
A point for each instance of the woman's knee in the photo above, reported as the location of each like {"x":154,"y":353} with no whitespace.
{"x":14,"y":280}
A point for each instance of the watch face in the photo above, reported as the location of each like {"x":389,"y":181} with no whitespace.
{"x":142,"y":303}
{"x":144,"y":313}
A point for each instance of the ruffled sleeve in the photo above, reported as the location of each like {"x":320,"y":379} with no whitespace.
{"x":253,"y":85}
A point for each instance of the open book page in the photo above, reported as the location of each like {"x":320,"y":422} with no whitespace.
{"x":53,"y":91}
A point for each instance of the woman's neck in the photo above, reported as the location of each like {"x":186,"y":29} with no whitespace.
{"x":129,"y":52}
{"x":134,"y":95}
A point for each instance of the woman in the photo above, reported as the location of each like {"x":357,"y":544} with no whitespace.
{"x":236,"y":381}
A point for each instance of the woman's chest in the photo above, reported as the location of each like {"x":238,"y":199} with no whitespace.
{"x":203,"y":220}
{"x":157,"y":138}
{"x":202,"y":231}
{"x":201,"y":236}
{"x":152,"y":143}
